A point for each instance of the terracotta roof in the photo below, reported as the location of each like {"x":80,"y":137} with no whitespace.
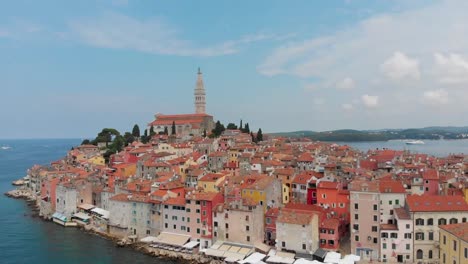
{"x":458,"y":230}
{"x":430,"y":174}
{"x":330,"y":223}
{"x":175,"y":201}
{"x":388,"y":227}
{"x":402,"y":213}
{"x":327,"y":185}
{"x":391,"y":186}
{"x":294,"y":217}
{"x":436,"y":203}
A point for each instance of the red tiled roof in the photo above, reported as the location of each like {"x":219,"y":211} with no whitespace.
{"x":436,"y":203}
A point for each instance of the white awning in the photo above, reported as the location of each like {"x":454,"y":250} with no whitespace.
{"x":82,"y":216}
{"x":103,"y":213}
{"x":353,"y":257}
{"x":332,"y":257}
{"x":191,"y":244}
{"x":214,"y":252}
{"x":233,"y":257}
{"x":253,"y":258}
{"x":285,"y":254}
{"x":262,"y":247}
{"x":278,"y":259}
{"x":148,"y":239}
{"x":305,"y":261}
{"x":172,"y":239}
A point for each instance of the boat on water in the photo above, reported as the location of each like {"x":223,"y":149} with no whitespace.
{"x":415,"y":142}
{"x":5,"y":147}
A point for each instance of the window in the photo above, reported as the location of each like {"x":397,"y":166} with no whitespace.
{"x":356,"y":206}
{"x":375,"y":218}
{"x":198,"y":230}
{"x":356,"y":238}
{"x":356,"y":216}
{"x":304,"y":246}
{"x":165,"y":216}
{"x":188,"y":210}
{"x":466,"y":252}
{"x":408,"y":247}
{"x":384,"y":245}
{"x":247,"y":228}
{"x":442,"y":221}
{"x":246,"y":218}
{"x":227,"y":225}
{"x":397,"y":201}
{"x":227,"y":236}
{"x":165,"y":225}
{"x":215,"y":224}
{"x":374,"y":228}
{"x":283,"y":244}
{"x":431,"y":235}
{"x":419,"y":221}
{"x":375,"y":240}
{"x":430,"y":254}
{"x":324,"y":196}
{"x":455,"y":245}
{"x":268,"y":220}
{"x":407,"y":226}
{"x":419,"y":254}
{"x":430,"y":221}
{"x":188,"y":219}
{"x":175,"y":227}
{"x":393,"y":246}
{"x":408,"y":235}
{"x":198,"y":220}
{"x":394,"y":235}
{"x":444,"y":240}
{"x":464,"y":220}
{"x":248,"y":238}
{"x":384,"y":235}
{"x":375,"y":207}
{"x":390,"y":202}
{"x":453,"y":221}
{"x":356,"y":227}
{"x":420,"y":236}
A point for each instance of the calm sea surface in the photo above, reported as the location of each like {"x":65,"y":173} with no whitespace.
{"x":25,"y":239}
{"x":437,"y":148}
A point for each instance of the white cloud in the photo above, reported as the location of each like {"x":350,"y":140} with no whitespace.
{"x":451,"y":69}
{"x":117,"y":31}
{"x":370,"y":101}
{"x":347,"y":107}
{"x":436,"y":97}
{"x":399,"y":66}
{"x":346,"y":84}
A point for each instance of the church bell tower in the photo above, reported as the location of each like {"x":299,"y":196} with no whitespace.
{"x":200,"y":94}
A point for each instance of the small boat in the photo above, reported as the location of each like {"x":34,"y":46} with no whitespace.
{"x":415,"y":142}
{"x":6,"y":147}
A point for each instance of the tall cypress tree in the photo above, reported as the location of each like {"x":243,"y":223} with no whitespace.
{"x":240,"y":126}
{"x":246,"y":129}
{"x":173,"y":129}
{"x":152,"y":133}
{"x":259,"y":135}
{"x":136,"y":131}
{"x":165,"y":130}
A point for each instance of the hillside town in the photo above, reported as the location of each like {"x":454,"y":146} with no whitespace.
{"x":240,"y":198}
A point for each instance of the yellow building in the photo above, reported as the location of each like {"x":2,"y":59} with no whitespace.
{"x":125,"y":169}
{"x":97,"y":160}
{"x":454,"y":243}
{"x":211,"y":182}
{"x":465,"y":192}
{"x":263,"y":190}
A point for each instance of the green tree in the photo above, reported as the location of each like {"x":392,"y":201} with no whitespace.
{"x":86,"y":142}
{"x":151,"y":132}
{"x":173,"y":129}
{"x":129,"y":138}
{"x":165,"y":131}
{"x":136,"y":131}
{"x":240,"y":125}
{"x":231,"y":126}
{"x":219,"y":128}
{"x":144,"y":139}
{"x":106,"y":136}
{"x":259,"y":135}
{"x":204,"y":133}
{"x":246,"y":128}
{"x":253,"y":137}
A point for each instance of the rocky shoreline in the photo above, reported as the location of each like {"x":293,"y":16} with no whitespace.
{"x":138,"y":246}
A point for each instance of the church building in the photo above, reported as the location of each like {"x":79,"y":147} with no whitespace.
{"x":187,"y":124}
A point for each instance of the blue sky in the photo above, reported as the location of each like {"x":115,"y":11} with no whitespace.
{"x":70,"y":68}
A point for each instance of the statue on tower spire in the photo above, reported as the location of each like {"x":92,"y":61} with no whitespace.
{"x":200,"y":94}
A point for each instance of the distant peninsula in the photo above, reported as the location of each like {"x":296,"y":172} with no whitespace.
{"x":350,"y":135}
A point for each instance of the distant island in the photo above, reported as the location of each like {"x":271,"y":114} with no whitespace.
{"x":350,"y":135}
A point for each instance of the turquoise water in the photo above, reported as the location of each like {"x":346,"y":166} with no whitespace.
{"x":437,"y":148}
{"x":25,"y":239}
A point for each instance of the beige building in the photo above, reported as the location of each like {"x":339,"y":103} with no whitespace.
{"x":428,"y":212}
{"x":297,"y":230}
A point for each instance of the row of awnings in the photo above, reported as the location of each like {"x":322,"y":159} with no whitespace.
{"x":229,"y":251}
